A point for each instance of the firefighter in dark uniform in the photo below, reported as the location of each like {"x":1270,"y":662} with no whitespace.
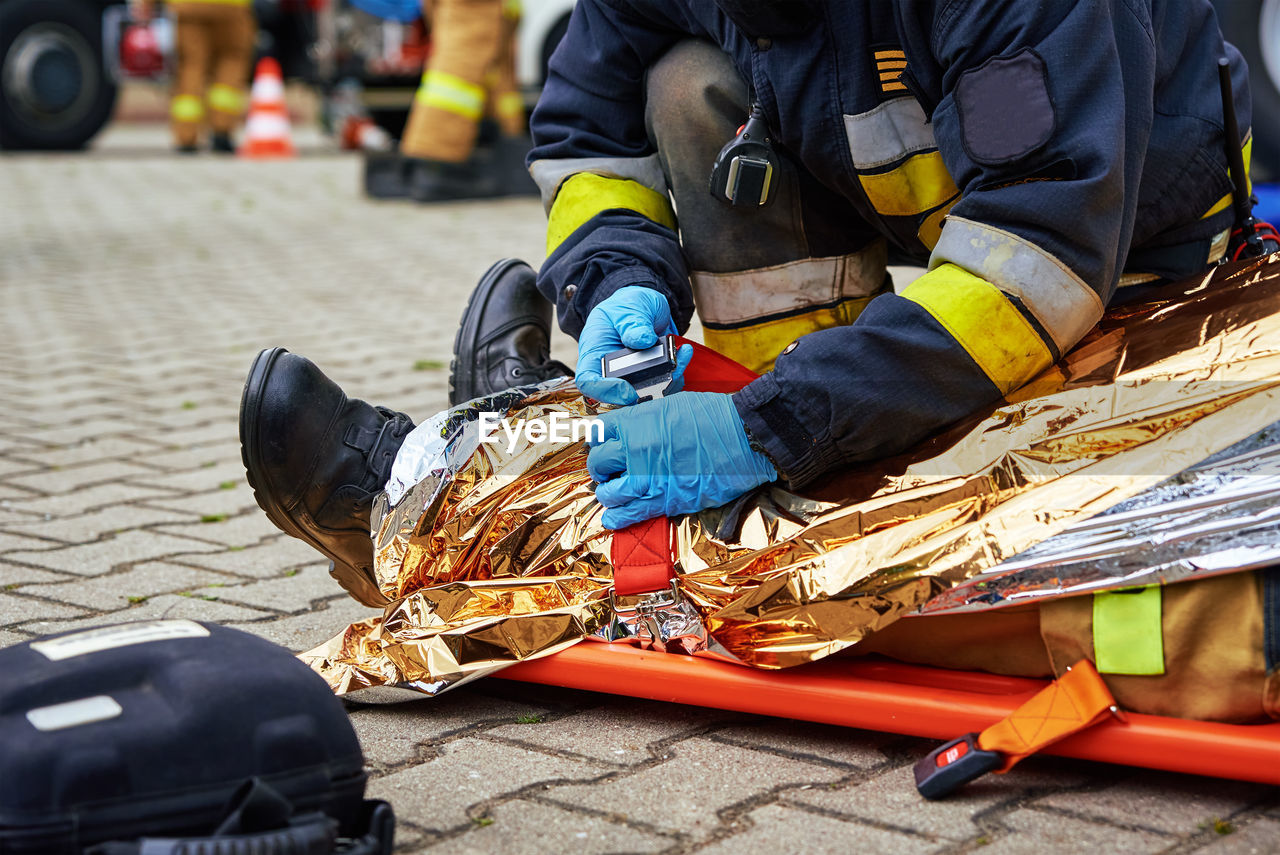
{"x":1042,"y":160}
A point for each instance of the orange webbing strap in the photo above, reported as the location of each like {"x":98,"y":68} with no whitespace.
{"x":641,"y":556}
{"x":1073,"y":702}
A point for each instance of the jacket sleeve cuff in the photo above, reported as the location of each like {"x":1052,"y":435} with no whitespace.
{"x":799,"y":457}
{"x":575,"y":304}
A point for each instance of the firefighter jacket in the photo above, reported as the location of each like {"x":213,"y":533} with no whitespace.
{"x":1067,"y":143}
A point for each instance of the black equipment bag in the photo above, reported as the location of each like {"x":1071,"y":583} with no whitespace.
{"x":169,"y":737}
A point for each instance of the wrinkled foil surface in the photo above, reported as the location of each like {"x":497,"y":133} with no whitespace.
{"x":491,"y":555}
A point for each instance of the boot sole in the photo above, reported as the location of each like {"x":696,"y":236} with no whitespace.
{"x":250,"y":453}
{"x":467,"y":329}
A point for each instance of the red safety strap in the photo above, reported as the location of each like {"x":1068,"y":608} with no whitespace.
{"x":642,"y":554}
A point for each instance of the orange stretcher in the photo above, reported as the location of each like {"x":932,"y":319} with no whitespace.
{"x":1004,"y":713}
{"x":913,"y":700}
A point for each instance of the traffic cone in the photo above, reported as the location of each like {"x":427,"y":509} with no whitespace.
{"x":266,"y":131}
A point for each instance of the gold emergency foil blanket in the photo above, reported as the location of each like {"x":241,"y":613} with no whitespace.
{"x":781,"y":579}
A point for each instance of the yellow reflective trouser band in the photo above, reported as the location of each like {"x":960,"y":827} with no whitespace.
{"x":1127,"y":637}
{"x":1225,"y":201}
{"x":510,"y":104}
{"x":757,"y":345}
{"x":985,"y":323}
{"x":186,"y":108}
{"x":586,"y":194}
{"x":511,"y":9}
{"x":451,"y":94}
{"x":920,"y":184}
{"x":226,"y":99}
{"x":219,"y":2}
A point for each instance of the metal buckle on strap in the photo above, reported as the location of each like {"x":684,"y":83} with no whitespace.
{"x":646,"y":606}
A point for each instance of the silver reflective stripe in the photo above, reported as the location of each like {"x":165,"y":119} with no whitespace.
{"x":550,"y":174}
{"x":745,"y":295}
{"x":1061,"y":301}
{"x":890,"y":132}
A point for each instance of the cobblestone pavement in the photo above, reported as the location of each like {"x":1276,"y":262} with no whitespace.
{"x":137,"y":286}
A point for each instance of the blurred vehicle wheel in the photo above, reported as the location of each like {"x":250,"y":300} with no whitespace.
{"x":54,"y":89}
{"x":1253,"y":26}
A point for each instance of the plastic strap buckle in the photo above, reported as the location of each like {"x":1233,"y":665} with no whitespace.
{"x":954,"y":764}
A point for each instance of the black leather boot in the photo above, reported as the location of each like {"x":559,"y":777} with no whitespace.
{"x":505,"y":336}
{"x":316,"y":458}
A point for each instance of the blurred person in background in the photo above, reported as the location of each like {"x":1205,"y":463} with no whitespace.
{"x":214,"y":46}
{"x":466,"y":135}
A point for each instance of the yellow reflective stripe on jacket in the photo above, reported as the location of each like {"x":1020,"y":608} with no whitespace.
{"x":920,"y":184}
{"x":218,"y":2}
{"x":985,"y":323}
{"x":586,"y":194}
{"x":757,"y":345}
{"x":1226,"y":200}
{"x":1127,"y":634}
{"x":186,"y":108}
{"x":452,"y":94}
{"x":1063,"y":303}
{"x":226,"y":99}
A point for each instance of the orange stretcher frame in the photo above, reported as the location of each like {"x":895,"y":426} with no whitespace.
{"x":914,"y":700}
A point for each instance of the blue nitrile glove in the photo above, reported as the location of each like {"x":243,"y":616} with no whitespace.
{"x":632,"y":317}
{"x":673,"y":455}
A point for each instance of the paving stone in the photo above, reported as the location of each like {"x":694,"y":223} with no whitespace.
{"x":1161,"y":802}
{"x":8,"y":639}
{"x":53,"y":481}
{"x":520,"y":827}
{"x":244,"y":530}
{"x":889,"y":797}
{"x":1046,"y":833}
{"x":92,"y":449}
{"x":214,"y":500}
{"x":264,"y":560}
{"x":10,"y":540}
{"x":196,"y":478}
{"x":82,"y":528}
{"x":614,"y":735}
{"x":688,"y":791}
{"x":466,"y":773}
{"x":302,"y":632}
{"x":856,"y":748}
{"x":14,"y":575}
{"x":166,"y":606}
{"x":285,"y":593}
{"x":391,"y":733}
{"x":142,"y":581}
{"x":81,"y":501}
{"x":93,"y":559}
{"x":775,"y":828}
{"x":1260,"y":837}
{"x":16,"y":609}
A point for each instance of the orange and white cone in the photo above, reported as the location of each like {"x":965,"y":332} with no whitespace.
{"x":266,"y":131}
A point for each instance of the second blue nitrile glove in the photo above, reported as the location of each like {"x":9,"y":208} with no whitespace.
{"x":674,"y":455}
{"x":631,"y":317}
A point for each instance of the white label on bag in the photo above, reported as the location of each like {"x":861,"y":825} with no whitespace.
{"x":74,"y":713}
{"x":94,"y":640}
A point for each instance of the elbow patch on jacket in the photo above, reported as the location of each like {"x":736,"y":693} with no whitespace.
{"x":1004,"y":108}
{"x":584,"y":195}
{"x":985,"y":322}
